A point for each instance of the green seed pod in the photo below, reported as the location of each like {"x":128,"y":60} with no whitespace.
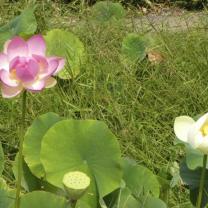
{"x":76,"y":184}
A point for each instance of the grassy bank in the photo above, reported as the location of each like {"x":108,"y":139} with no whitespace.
{"x":139,"y":103}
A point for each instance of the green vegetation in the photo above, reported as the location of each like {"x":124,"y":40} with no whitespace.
{"x":189,"y":4}
{"x":137,"y":101}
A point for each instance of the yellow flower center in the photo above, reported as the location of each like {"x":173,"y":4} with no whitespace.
{"x":204,"y":129}
{"x":13,"y":74}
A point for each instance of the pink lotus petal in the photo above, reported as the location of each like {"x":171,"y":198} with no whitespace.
{"x":43,"y":63}
{"x":35,"y":86}
{"x":17,"y":47}
{"x":10,"y":92}
{"x":50,"y":82}
{"x":16,"y":61}
{"x":8,"y":80}
{"x":52,"y":67}
{"x":36,"y":45}
{"x":27,"y":70}
{"x":4,"y":63}
{"x":60,"y":66}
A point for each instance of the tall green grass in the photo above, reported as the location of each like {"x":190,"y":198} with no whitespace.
{"x":139,"y":103}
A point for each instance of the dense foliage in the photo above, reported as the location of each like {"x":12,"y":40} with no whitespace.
{"x":136,"y":82}
{"x":190,"y":4}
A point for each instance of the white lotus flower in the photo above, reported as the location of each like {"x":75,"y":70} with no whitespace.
{"x":193,"y":132}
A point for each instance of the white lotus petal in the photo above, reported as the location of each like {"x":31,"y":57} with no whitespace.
{"x":203,"y":147}
{"x":195,"y":138}
{"x":182,"y":125}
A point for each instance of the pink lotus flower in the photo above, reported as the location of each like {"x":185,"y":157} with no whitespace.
{"x":24,"y":65}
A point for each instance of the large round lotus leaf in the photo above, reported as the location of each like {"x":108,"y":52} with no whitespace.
{"x":150,"y":202}
{"x":127,"y":200}
{"x":1,"y":159}
{"x":194,"y":196}
{"x":90,"y":198}
{"x":67,"y":45}
{"x":107,"y":11}
{"x":82,"y":205}
{"x":87,"y":146}
{"x":43,"y":199}
{"x":32,"y":141}
{"x":192,"y":177}
{"x":140,"y":180}
{"x":29,"y":181}
{"x":32,"y":183}
{"x":25,"y":24}
{"x":133,"y":48}
{"x":7,"y":195}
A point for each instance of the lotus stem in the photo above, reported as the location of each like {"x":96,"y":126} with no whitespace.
{"x":202,"y":181}
{"x":20,"y":158}
{"x":73,"y":203}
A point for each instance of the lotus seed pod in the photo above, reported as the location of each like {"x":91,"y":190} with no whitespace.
{"x":76,"y":184}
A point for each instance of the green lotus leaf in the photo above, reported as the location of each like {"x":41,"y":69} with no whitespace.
{"x":90,"y":198}
{"x":133,"y":49}
{"x":81,"y":204}
{"x":67,"y":45}
{"x":140,"y":180}
{"x":87,"y":146}
{"x":194,"y":197}
{"x":25,"y":24}
{"x":29,"y":181}
{"x":105,"y":11}
{"x":121,"y":198}
{"x":7,"y":195}
{"x":139,"y":188}
{"x":150,"y":202}
{"x":43,"y":199}
{"x":32,"y":142}
{"x":126,"y":199}
{"x":192,"y":179}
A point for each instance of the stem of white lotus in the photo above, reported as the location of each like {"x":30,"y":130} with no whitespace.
{"x":202,"y":181}
{"x":20,"y":158}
